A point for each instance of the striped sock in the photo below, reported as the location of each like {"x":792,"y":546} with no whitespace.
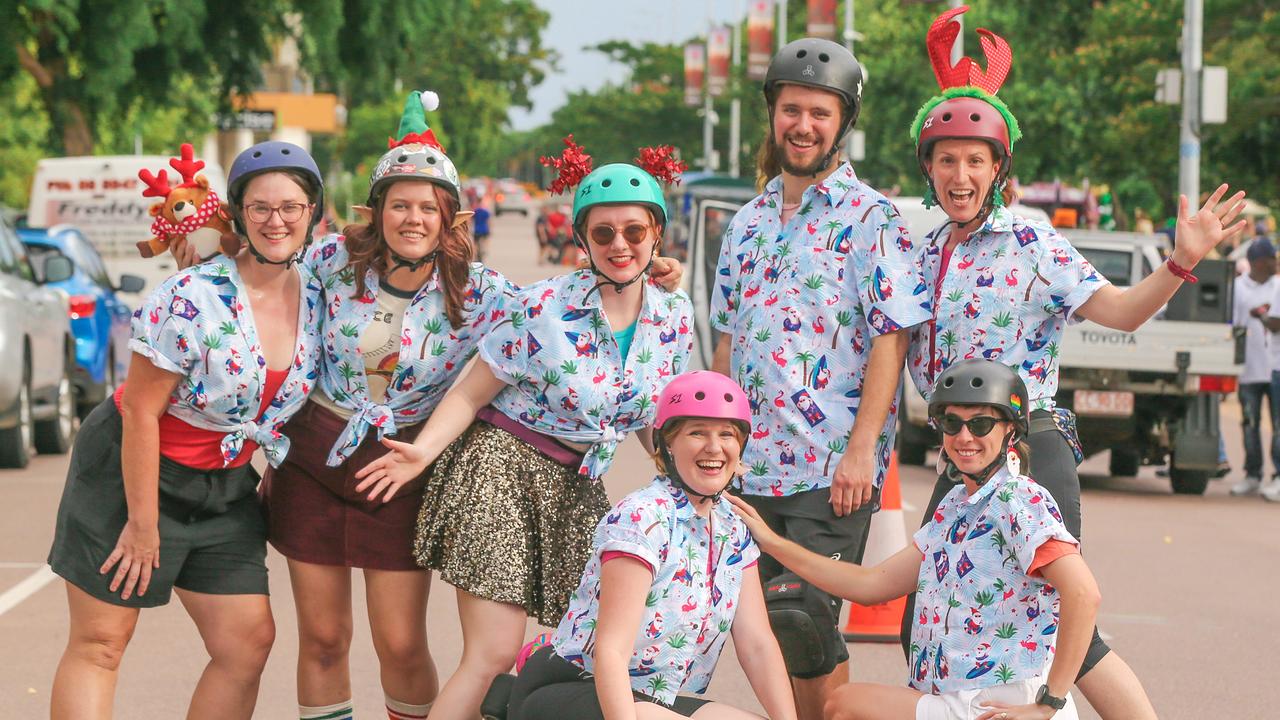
{"x":397,"y":710}
{"x":337,"y":711}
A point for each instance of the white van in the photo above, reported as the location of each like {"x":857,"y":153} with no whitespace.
{"x":102,"y":196}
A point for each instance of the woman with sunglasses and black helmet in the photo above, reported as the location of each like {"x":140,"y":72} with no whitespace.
{"x":574,"y":364}
{"x":160,"y":494}
{"x":671,"y":575}
{"x":1004,"y":288}
{"x":1005,"y":601}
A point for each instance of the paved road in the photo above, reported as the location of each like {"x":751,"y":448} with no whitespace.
{"x":1188,"y":584}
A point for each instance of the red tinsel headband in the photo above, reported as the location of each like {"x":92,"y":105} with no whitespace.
{"x":657,"y":161}
{"x":572,"y":165}
{"x":941,"y":38}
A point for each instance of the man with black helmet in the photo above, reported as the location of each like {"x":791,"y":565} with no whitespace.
{"x":815,"y":293}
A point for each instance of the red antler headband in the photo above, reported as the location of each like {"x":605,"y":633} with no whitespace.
{"x":571,"y":167}
{"x":186,"y":165}
{"x":658,"y":162}
{"x":941,"y":38}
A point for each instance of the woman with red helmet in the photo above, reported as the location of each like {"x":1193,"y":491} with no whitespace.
{"x":1004,"y":287}
{"x":672,"y":573}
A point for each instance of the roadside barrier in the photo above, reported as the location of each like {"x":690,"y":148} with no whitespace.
{"x":881,"y":623}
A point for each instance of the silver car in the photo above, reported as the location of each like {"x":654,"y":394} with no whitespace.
{"x":37,"y":356}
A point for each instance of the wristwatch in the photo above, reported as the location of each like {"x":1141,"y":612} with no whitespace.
{"x":1044,"y":698}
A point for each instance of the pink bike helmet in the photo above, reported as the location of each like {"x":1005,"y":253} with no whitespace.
{"x":699,"y":394}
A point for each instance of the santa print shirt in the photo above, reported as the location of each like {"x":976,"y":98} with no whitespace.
{"x":198,"y":324}
{"x":982,"y":617}
{"x":801,"y":301}
{"x":1005,"y":293}
{"x":431,"y":352}
{"x":1260,"y":344}
{"x":566,"y":377}
{"x":697,"y":566}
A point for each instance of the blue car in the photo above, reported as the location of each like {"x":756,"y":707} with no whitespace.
{"x":99,"y":319}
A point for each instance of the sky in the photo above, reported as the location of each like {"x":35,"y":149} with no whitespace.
{"x":579,"y":23}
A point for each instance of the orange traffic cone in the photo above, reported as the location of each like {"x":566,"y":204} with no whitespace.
{"x":881,"y":623}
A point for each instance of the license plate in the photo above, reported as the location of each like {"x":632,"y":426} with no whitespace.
{"x":1103,"y":403}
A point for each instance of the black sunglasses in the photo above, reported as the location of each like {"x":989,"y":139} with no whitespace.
{"x":979,"y":426}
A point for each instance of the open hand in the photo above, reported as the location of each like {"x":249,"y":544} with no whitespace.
{"x":1004,"y":711}
{"x":386,"y":475}
{"x":136,"y":554}
{"x":764,"y":536}
{"x":1212,"y":225}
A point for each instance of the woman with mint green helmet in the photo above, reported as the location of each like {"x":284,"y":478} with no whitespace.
{"x":569,"y":368}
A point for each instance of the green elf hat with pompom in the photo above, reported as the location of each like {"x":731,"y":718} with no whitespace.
{"x":414,"y":154}
{"x":967,"y":107}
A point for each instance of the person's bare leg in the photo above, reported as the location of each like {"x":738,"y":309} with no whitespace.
{"x":322,"y":601}
{"x":398,"y":621}
{"x":812,"y":693}
{"x":868,"y":701}
{"x":238,"y":632}
{"x":84,"y":685}
{"x":1114,"y":690}
{"x":491,"y":635}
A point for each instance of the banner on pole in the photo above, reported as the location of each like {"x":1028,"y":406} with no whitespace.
{"x":695,"y":70}
{"x":759,"y":38}
{"x":822,"y":19}
{"x":719,"y":42}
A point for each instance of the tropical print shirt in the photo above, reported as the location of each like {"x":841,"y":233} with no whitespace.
{"x":566,"y":376}
{"x":801,"y":303}
{"x":432,"y":352}
{"x":981,"y":619}
{"x":697,"y":567}
{"x":1006,"y":294}
{"x":198,"y":324}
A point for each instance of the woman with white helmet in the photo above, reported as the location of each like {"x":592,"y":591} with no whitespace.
{"x":160,"y":494}
{"x":572,"y":366}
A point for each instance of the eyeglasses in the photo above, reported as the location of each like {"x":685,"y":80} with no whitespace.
{"x":289,"y":212}
{"x":634,"y":233}
{"x":979,"y":426}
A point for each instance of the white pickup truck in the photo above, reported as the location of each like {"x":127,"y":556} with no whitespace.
{"x":1148,"y":396}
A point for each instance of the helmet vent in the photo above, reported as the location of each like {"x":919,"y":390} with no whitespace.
{"x":975,"y":117}
{"x":949,"y":382}
{"x":257,"y":153}
{"x":946,"y":117}
{"x":635,"y":182}
{"x":802,"y":53}
{"x":975,"y":383}
{"x":823,"y":57}
{"x":606,"y":182}
{"x":402,"y":158}
{"x":699,"y":395}
{"x":728,"y":398}
{"x":431,"y":160}
{"x":284,"y":151}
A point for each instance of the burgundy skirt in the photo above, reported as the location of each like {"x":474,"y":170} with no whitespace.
{"x":314,"y":513}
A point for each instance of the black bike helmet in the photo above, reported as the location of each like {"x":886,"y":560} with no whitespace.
{"x":822,"y":64}
{"x":983,"y":382}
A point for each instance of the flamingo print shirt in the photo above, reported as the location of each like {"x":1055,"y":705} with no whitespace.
{"x":801,"y":302}
{"x":697,"y":567}
{"x":982,"y":620}
{"x":431,"y":352}
{"x":1006,"y":294}
{"x":198,"y":324}
{"x":566,"y":376}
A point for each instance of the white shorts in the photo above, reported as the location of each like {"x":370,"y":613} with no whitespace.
{"x":968,"y":704}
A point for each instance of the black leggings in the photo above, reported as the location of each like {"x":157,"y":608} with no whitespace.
{"x":552,"y":688}
{"x":1053,"y":468}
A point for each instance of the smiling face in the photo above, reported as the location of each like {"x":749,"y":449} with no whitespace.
{"x":276,"y":239}
{"x":962,"y":171}
{"x":969,"y":452}
{"x":411,"y":219}
{"x":805,"y":124}
{"x":706,"y":452}
{"x":619,"y":260}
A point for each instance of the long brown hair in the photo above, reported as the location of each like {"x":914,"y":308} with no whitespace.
{"x":366,"y":248}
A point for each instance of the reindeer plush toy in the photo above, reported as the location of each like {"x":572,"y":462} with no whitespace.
{"x":191,"y":210}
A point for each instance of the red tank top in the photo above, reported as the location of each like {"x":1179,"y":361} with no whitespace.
{"x":196,"y":447}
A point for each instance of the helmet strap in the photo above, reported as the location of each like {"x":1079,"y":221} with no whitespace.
{"x":669,"y":463}
{"x":604,"y":280}
{"x":287,"y":262}
{"x":980,"y":478}
{"x":399,"y":261}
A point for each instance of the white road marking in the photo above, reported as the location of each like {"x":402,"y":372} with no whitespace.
{"x":19,"y":565}
{"x":25,"y":589}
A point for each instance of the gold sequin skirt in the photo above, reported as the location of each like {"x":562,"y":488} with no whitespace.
{"x":503,"y":522}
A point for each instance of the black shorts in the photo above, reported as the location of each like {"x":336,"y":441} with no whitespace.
{"x":552,"y":688}
{"x":213,"y":535}
{"x":807,"y":519}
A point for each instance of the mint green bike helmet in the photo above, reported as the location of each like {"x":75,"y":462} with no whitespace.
{"x":618,"y":184}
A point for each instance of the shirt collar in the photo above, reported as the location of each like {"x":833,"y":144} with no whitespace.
{"x":998,"y":478}
{"x":834,"y":186}
{"x":219,"y":266}
{"x":999,"y":221}
{"x":578,"y":295}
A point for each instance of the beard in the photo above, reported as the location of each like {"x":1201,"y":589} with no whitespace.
{"x":799,"y":170}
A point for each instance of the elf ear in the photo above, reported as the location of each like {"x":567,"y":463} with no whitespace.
{"x":365,"y":212}
{"x":461,"y":217}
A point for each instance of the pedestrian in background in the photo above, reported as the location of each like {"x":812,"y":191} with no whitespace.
{"x":1254,"y":295}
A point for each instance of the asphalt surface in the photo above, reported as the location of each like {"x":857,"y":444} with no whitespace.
{"x":1189,"y":587}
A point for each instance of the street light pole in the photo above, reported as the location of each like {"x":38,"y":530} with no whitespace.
{"x":1189,"y":130}
{"x":782,"y":23}
{"x":735,"y":105}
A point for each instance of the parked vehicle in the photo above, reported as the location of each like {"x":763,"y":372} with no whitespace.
{"x":510,"y":196}
{"x":37,"y":355}
{"x":99,"y":317}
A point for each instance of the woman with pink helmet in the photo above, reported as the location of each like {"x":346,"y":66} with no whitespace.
{"x":672,"y":572}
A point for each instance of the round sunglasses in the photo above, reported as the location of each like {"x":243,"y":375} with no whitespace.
{"x":979,"y":426}
{"x":634,"y":233}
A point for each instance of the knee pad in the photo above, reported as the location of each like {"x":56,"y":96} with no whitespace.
{"x":804,"y":621}
{"x":494,"y":705}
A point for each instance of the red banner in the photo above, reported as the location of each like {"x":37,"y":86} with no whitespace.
{"x":719,"y":42}
{"x":759,"y":38}
{"x":695,"y":70}
{"x":822,"y":19}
